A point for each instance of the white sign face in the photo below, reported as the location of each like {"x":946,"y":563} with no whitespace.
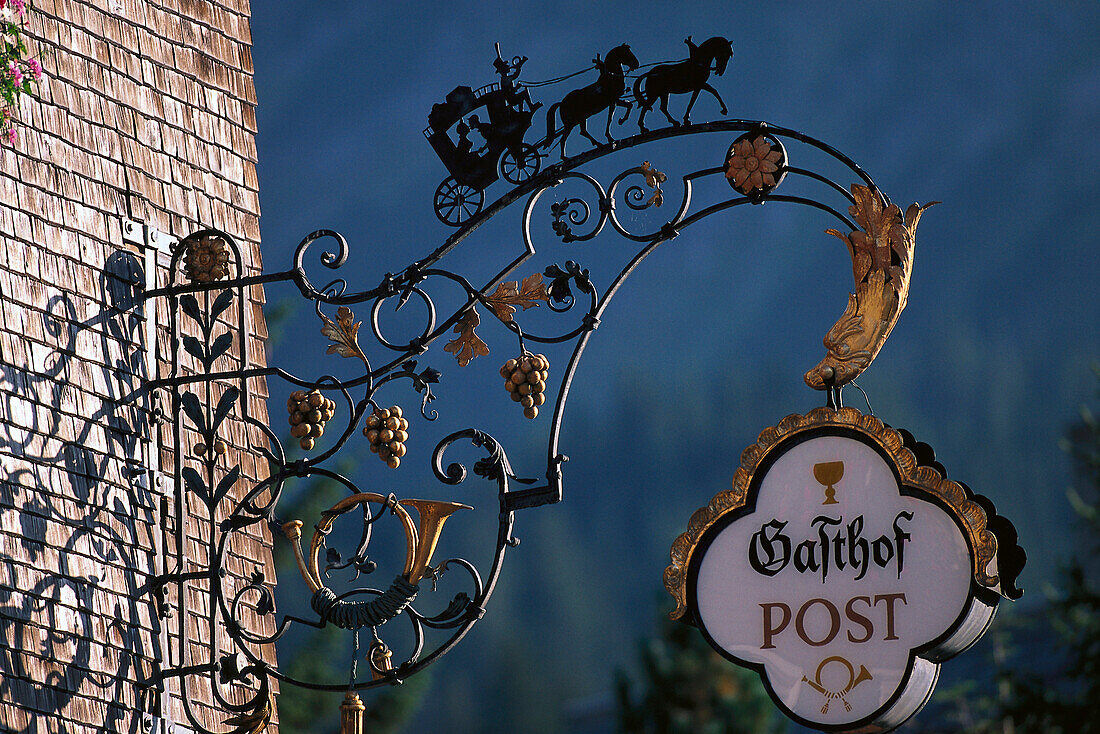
{"x":834,"y":583}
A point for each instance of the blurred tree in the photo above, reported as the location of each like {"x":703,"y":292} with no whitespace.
{"x":1070,"y":701}
{"x":1045,"y":663}
{"x":688,"y":688}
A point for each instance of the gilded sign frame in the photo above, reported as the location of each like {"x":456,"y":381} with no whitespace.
{"x":995,"y":559}
{"x":970,"y":511}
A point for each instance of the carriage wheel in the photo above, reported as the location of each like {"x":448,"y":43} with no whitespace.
{"x":457,"y":203}
{"x":519,"y":164}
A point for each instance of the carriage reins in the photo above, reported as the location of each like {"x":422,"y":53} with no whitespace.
{"x":558,"y":79}
{"x":589,"y":68}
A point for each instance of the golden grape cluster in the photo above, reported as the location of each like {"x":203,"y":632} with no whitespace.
{"x":525,"y":378}
{"x":387,"y":432}
{"x":309,"y":411}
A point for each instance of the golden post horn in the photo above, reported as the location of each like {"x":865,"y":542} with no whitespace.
{"x":433,"y":513}
{"x":863,"y":675}
{"x":293,"y":532}
{"x":312,"y":572}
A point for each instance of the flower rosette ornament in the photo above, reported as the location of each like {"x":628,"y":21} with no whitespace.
{"x":206,"y":259}
{"x":756,"y":164}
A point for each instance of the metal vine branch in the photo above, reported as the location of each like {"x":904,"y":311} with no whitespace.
{"x":211,"y":379}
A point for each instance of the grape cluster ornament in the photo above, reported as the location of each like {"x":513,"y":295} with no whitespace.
{"x":387,"y":432}
{"x":525,"y":379}
{"x":309,"y":411}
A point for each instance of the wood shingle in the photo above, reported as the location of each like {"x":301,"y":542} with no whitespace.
{"x":147,"y":111}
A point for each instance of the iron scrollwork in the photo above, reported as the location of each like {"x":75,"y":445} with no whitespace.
{"x":210,"y":379}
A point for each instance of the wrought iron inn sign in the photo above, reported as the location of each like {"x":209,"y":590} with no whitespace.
{"x":843,"y":565}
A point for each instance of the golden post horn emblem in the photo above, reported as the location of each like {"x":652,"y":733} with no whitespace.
{"x":419,"y":546}
{"x":432,"y":513}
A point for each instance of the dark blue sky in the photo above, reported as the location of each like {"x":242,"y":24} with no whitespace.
{"x":991,"y":108}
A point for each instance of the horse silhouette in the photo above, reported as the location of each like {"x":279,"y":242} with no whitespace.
{"x":683,"y":77}
{"x":604,"y":93}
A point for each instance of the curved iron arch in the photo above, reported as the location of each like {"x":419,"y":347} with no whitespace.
{"x":879,"y":239}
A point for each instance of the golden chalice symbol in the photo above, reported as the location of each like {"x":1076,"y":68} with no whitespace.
{"x":829,"y":473}
{"x":853,"y":679}
{"x":419,"y":547}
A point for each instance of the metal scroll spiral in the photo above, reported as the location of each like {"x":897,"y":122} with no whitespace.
{"x":332,"y":260}
{"x":348,"y":611}
{"x":575,"y":211}
{"x":643,"y":196}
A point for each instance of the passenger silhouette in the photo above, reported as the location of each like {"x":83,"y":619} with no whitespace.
{"x":465,"y":145}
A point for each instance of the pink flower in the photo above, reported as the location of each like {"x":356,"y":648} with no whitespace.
{"x":36,"y":69}
{"x":16,"y":73}
{"x":12,"y":135}
{"x":19,"y":6}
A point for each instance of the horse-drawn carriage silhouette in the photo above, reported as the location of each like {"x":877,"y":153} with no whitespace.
{"x":462,"y":194}
{"x":504,"y":153}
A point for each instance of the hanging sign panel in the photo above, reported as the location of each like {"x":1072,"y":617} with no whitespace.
{"x":843,"y":569}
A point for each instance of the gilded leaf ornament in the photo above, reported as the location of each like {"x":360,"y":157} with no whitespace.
{"x":509,"y":294}
{"x":344,"y":334}
{"x":503,"y":302}
{"x":253,"y":722}
{"x":467,"y":344}
{"x":882,"y":263}
{"x":654,"y":179}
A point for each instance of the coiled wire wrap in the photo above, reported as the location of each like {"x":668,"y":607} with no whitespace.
{"x":356,"y":614}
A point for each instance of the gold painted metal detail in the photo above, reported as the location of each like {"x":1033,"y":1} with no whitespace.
{"x":972,"y":518}
{"x":351,"y":714}
{"x":386,"y":431}
{"x":307,"y":413}
{"x":525,"y":380}
{"x":433,"y":513}
{"x":502,"y":302}
{"x":512,"y":293}
{"x":753,"y":164}
{"x":344,"y":334}
{"x":467,"y":344}
{"x":419,"y":543}
{"x":206,"y":258}
{"x":381,"y":659}
{"x":293,"y":532}
{"x":253,"y":722}
{"x":882,"y":263}
{"x":654,"y":179}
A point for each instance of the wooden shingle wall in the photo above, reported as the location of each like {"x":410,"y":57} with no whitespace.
{"x":147,"y":111}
